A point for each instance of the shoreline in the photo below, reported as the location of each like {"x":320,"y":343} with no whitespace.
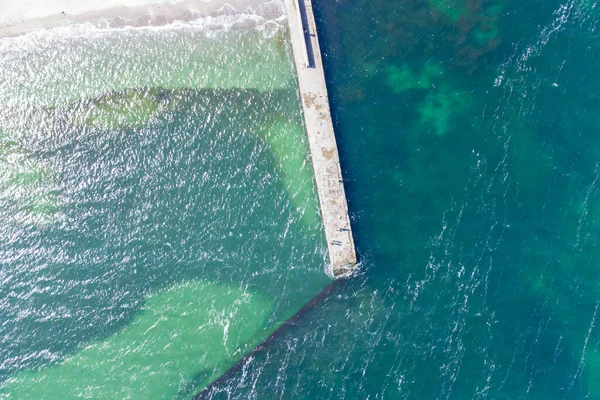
{"x":115,"y":13}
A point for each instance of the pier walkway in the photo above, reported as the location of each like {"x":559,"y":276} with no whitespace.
{"x":319,"y":128}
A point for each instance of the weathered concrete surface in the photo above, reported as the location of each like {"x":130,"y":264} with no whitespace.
{"x":319,"y":128}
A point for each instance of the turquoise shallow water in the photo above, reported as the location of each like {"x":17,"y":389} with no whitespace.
{"x":468,"y":138}
{"x":157,"y":209}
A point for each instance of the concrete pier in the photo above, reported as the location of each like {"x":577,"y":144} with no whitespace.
{"x":319,"y":128}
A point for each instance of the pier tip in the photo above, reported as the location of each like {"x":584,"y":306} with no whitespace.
{"x":344,"y":271}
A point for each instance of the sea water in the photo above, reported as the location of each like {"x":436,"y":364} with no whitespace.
{"x":158,"y":214}
{"x":468,"y":136}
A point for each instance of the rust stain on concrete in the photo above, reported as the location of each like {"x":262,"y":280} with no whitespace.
{"x":328,"y":154}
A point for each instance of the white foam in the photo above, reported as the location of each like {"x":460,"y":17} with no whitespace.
{"x":18,"y":17}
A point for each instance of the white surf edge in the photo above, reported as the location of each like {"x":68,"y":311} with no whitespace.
{"x":24,"y":16}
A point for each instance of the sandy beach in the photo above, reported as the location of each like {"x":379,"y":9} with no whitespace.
{"x":17,"y":18}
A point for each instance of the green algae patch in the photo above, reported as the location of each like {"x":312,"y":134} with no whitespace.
{"x":488,"y":30}
{"x":184,"y":339}
{"x":440,"y":106}
{"x":451,"y":9}
{"x":287,"y":143}
{"x":404,"y":78}
{"x":439,"y":102}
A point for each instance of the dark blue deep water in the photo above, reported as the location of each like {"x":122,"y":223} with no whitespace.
{"x":468,"y":133}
